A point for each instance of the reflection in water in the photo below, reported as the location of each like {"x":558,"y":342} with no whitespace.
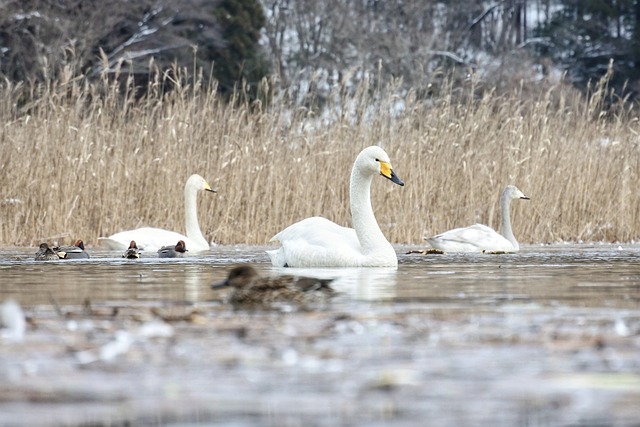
{"x":72,"y":282}
{"x":371,"y":283}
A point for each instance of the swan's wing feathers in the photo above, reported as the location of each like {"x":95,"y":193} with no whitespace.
{"x":476,"y":233}
{"x":147,"y":238}
{"x":475,"y":238}
{"x":318,"y":231}
{"x":463,"y":234}
{"x":316,"y":242}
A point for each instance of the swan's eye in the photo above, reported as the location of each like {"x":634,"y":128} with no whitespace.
{"x":377,"y":160}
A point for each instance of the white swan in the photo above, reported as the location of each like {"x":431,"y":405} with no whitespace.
{"x":318,"y":242}
{"x":152,"y":239}
{"x":478,"y":237}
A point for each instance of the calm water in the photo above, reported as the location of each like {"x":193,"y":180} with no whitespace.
{"x":548,"y":336}
{"x":598,"y":276}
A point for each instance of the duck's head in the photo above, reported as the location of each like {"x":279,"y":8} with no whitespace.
{"x":133,"y":245}
{"x":181,"y":246}
{"x":80,"y":244}
{"x":239,"y":276}
{"x":374,"y":160}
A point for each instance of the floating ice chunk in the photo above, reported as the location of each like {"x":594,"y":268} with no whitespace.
{"x":156,"y":329}
{"x":13,"y":321}
{"x":621,"y":328}
{"x":119,"y":345}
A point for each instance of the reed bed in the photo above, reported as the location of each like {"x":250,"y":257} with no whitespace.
{"x":81,"y":159}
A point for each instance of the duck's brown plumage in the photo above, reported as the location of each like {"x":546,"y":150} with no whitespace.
{"x":45,"y":253}
{"x":177,"y":251}
{"x":132,"y":252}
{"x":251,"y":289}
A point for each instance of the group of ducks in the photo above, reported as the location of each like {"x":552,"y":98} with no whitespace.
{"x":178,"y":250}
{"x":312,"y":242}
{"x":47,"y":253}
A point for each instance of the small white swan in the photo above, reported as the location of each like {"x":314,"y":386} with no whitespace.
{"x":318,"y":242}
{"x":152,"y":239}
{"x":478,"y":237}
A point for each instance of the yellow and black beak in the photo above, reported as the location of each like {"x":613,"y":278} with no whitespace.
{"x":207,"y":187}
{"x":387,"y":172}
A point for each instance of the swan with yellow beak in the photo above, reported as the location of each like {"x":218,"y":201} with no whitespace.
{"x":318,"y":242}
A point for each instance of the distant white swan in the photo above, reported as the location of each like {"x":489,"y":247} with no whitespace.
{"x":152,"y":239}
{"x":478,"y":237}
{"x":318,"y":242}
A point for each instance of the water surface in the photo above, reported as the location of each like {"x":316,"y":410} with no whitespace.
{"x":548,"y":336}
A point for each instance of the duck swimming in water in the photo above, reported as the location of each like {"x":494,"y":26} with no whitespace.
{"x":132,"y":252}
{"x":177,"y":251}
{"x":72,"y":251}
{"x":45,"y":253}
{"x":251,"y":289}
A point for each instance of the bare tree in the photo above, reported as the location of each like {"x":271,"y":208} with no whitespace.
{"x":409,"y":39}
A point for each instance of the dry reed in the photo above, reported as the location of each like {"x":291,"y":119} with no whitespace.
{"x":80,"y":160}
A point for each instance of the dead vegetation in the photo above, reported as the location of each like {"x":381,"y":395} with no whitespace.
{"x":81,"y":160}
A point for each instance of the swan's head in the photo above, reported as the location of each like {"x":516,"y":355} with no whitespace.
{"x":374,"y":160}
{"x":512,"y":192}
{"x":196,"y":182}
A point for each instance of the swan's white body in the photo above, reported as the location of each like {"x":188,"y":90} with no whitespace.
{"x":478,"y":237}
{"x":318,"y":242}
{"x":152,"y":239}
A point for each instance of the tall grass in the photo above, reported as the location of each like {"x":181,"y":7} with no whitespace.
{"x":81,"y":160}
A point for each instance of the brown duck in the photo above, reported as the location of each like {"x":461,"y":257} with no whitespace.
{"x":251,"y":289}
{"x":132,"y":252}
{"x":45,"y":253}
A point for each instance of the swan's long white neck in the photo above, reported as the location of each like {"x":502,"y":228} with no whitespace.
{"x":505,"y":225}
{"x":191,"y":216}
{"x":363,"y":219}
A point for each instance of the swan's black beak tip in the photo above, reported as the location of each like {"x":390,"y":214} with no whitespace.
{"x":394,"y":178}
